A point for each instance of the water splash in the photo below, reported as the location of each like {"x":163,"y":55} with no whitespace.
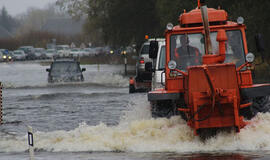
{"x":147,"y":135}
{"x":108,"y":79}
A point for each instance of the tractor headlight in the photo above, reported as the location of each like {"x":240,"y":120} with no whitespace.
{"x":169,"y":26}
{"x":172,"y":64}
{"x":240,"y":20}
{"x":250,"y":57}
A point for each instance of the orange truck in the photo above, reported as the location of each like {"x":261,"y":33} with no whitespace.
{"x":208,"y":73}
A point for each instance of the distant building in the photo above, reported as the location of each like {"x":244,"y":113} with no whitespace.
{"x":65,"y":26}
{"x":4,"y":33}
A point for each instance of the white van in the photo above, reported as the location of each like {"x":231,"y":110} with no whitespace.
{"x":148,"y":79}
{"x":158,"y":75}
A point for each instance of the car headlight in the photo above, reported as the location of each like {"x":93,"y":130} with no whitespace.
{"x":4,"y":57}
{"x":250,"y":57}
{"x":9,"y":57}
{"x":172,"y":64}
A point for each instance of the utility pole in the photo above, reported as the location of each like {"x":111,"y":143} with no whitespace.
{"x":124,"y":53}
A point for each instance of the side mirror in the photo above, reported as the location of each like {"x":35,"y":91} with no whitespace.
{"x":83,"y":69}
{"x":48,"y":70}
{"x":153,"y":50}
{"x":148,"y":67}
{"x":259,"y":42}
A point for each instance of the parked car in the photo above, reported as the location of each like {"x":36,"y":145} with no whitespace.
{"x":29,"y":51}
{"x":76,"y":52}
{"x":40,"y":53}
{"x":158,"y":75}
{"x":63,"y":50}
{"x":88,"y":52}
{"x":50,"y":53}
{"x":62,"y":47}
{"x":65,"y":70}
{"x":19,"y":55}
{"x":1,"y":56}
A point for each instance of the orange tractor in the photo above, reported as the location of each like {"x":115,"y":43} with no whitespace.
{"x":208,"y":73}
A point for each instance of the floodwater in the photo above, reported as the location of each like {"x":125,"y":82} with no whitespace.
{"x":99,"y":120}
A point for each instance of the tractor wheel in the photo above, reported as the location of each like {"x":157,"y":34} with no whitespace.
{"x":132,"y":88}
{"x":163,"y":109}
{"x":259,"y":105}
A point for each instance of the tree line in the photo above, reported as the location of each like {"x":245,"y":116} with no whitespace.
{"x":6,"y":21}
{"x":123,"y":22}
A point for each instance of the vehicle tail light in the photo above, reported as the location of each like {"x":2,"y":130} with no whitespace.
{"x":142,"y":60}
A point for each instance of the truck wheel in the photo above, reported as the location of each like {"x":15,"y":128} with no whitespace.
{"x":259,"y":105}
{"x":131,"y":88}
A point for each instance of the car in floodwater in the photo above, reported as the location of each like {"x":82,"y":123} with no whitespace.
{"x":65,"y":70}
{"x":6,"y":55}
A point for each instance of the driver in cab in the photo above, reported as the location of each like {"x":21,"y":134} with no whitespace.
{"x":187,"y":55}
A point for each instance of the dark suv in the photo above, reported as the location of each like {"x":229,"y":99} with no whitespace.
{"x":65,"y":70}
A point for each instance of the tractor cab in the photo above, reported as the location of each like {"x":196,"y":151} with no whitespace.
{"x":187,"y":41}
{"x":208,"y":73}
{"x":187,"y":49}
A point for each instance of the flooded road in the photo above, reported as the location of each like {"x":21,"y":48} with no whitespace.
{"x":99,"y":120}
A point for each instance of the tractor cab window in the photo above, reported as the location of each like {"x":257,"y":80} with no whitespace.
{"x":162,"y":60}
{"x":188,"y":49}
{"x":234,"y":47}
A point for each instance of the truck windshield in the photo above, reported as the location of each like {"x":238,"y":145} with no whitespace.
{"x":187,"y":49}
{"x":162,"y":60}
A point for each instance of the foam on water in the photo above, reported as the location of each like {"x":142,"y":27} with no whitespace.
{"x":110,"y":79}
{"x":138,"y":132}
{"x":107,"y":79}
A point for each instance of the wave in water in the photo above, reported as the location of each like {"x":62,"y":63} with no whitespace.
{"x":146,"y":135}
{"x":108,"y":80}
{"x":59,"y":95}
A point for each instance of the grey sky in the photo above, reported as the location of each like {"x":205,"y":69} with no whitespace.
{"x":15,"y":7}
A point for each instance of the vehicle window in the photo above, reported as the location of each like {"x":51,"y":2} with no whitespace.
{"x":162,"y":59}
{"x":145,"y":49}
{"x":234,"y":48}
{"x":65,"y":67}
{"x":187,"y":49}
{"x":17,"y":52}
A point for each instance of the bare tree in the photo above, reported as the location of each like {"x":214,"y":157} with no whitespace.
{"x":34,"y":18}
{"x":75,"y":8}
